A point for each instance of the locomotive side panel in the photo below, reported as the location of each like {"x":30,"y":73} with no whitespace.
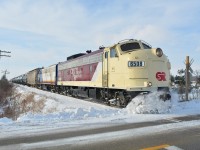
{"x":113,"y":69}
{"x":85,"y":71}
{"x":120,"y":75}
{"x":79,"y":73}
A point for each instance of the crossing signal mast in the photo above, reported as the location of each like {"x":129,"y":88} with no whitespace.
{"x":2,"y":55}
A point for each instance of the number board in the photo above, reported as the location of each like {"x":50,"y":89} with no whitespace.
{"x":136,"y":64}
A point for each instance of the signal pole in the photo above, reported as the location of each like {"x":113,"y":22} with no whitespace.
{"x":4,"y":52}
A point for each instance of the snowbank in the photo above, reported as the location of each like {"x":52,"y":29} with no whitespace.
{"x":54,"y":107}
{"x":5,"y":121}
{"x":42,"y":106}
{"x":148,"y":104}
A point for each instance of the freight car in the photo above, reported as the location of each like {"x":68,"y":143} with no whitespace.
{"x":22,"y":79}
{"x":32,"y":77}
{"x":112,"y":74}
{"x":47,"y":78}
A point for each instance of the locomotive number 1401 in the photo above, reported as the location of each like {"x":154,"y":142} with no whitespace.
{"x":136,"y":64}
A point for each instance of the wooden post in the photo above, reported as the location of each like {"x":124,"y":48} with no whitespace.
{"x":187,"y":63}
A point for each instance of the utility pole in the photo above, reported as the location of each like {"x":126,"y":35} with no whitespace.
{"x":4,"y":52}
{"x":5,"y":72}
{"x":188,"y":72}
{"x":187,"y":64}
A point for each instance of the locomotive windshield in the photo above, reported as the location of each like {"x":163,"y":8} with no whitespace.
{"x":130,"y":46}
{"x":146,"y":46}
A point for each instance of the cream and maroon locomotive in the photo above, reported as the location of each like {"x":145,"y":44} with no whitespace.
{"x":114,"y":74}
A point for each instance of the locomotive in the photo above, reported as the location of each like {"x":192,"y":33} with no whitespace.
{"x":113,"y":75}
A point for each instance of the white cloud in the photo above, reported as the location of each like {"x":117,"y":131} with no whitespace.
{"x":79,"y":25}
{"x":41,"y":17}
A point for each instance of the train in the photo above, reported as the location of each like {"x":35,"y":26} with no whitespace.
{"x":113,"y":74}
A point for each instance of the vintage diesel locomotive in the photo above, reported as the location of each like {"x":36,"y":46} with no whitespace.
{"x":112,"y":74}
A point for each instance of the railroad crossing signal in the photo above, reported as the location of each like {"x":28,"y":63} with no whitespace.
{"x":4,"y":52}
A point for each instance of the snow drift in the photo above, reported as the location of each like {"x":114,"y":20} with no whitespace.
{"x":35,"y":105}
{"x":149,"y":104}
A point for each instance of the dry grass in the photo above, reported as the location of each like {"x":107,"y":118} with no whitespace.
{"x":22,"y":104}
{"x":30,"y":104}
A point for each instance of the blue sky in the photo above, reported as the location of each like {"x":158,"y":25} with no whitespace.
{"x":44,"y":32}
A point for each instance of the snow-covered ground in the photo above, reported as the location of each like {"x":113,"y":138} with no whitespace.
{"x":45,"y":111}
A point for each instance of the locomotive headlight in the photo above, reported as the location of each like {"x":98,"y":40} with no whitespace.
{"x":159,"y":52}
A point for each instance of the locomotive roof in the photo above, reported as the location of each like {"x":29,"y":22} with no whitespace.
{"x":75,"y":56}
{"x":131,"y":40}
{"x":86,"y":55}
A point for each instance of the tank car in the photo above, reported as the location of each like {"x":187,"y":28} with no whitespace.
{"x":22,"y":79}
{"x":117,"y":73}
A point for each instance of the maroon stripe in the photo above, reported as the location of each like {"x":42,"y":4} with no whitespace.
{"x":80,"y":73}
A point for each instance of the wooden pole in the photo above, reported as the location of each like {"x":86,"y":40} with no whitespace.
{"x":187,"y":63}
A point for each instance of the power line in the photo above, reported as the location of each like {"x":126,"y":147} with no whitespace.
{"x":4,"y":55}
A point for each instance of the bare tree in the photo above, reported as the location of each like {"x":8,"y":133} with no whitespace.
{"x":5,"y":89}
{"x":197,"y":77}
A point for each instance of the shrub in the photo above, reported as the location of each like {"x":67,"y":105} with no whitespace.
{"x":6,"y":90}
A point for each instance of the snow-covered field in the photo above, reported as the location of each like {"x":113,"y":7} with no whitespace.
{"x":45,"y":111}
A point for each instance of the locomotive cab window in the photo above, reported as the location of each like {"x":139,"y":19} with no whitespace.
{"x":113,"y":53}
{"x":106,"y":55}
{"x":130,"y":46}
